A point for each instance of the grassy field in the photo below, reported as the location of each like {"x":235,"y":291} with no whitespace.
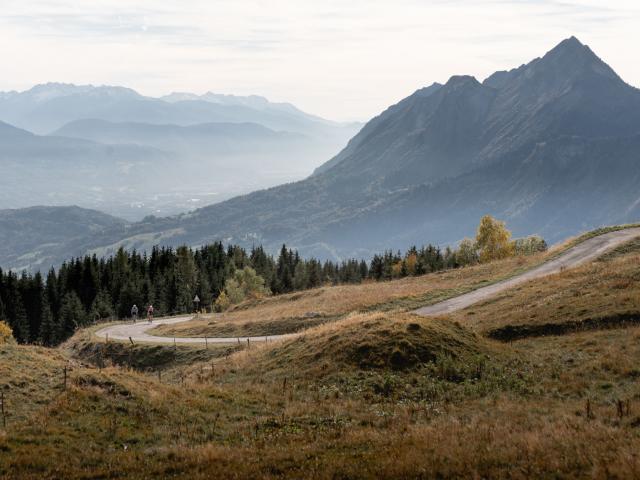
{"x":374,"y":393}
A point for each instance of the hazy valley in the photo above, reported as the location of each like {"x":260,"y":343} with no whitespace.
{"x":111,"y":149}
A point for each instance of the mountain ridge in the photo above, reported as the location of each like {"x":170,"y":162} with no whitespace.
{"x":550,"y":147}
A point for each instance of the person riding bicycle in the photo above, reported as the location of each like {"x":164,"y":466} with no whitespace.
{"x":150,"y":313}
{"x":134,"y":313}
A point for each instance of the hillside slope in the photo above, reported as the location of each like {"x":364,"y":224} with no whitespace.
{"x":36,"y":238}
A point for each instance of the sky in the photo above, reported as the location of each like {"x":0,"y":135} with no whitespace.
{"x":343,"y":60}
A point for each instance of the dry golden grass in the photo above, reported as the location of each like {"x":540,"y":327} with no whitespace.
{"x":592,"y":295}
{"x":30,"y":377}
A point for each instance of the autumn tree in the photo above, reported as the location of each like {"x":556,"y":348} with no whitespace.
{"x":6,"y":335}
{"x":222,"y":302}
{"x":493,"y":240}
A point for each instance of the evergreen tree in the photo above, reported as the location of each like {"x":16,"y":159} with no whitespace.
{"x":48,"y":328}
{"x":72,"y":315}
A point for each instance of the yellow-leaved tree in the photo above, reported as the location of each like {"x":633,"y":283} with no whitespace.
{"x":6,"y":335}
{"x":493,"y":240}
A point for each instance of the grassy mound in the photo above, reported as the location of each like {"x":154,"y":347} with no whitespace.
{"x":375,"y":341}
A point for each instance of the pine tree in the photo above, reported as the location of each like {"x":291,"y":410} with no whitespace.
{"x":48,"y":328}
{"x":72,"y":315}
{"x":20,"y":324}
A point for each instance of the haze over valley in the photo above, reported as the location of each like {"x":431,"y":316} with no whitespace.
{"x":112,"y":149}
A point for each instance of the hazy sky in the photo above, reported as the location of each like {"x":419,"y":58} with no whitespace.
{"x":346,"y":59}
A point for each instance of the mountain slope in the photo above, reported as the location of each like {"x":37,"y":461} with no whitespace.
{"x":36,"y":238}
{"x":551,"y":147}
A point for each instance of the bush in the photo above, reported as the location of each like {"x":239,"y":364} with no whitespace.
{"x":467,"y":253}
{"x":222,"y":302}
{"x":529,"y":245}
{"x":246,"y":283}
{"x":6,"y":334}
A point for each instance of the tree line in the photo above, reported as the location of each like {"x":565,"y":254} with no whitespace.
{"x":48,"y":309}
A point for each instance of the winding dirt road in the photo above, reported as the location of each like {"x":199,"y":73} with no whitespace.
{"x":584,"y":252}
{"x":138,"y":333}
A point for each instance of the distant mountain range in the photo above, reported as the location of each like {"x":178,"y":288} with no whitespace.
{"x":113,"y":149}
{"x":552,"y":147}
{"x":48,"y":107}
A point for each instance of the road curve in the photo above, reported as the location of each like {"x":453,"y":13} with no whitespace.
{"x":138,"y":333}
{"x":583,"y":252}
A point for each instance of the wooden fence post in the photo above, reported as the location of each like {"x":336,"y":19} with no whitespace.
{"x":131,"y":340}
{"x":4,"y":413}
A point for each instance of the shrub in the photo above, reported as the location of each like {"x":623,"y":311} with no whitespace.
{"x":222,"y":302}
{"x":529,"y":245}
{"x":6,"y":334}
{"x":467,"y":253}
{"x":246,"y":283}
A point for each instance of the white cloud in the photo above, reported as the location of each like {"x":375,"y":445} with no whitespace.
{"x":338,"y":59}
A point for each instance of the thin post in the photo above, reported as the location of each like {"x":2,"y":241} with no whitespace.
{"x":131,"y":340}
{"x":4,"y":415}
{"x":175,"y":345}
{"x":248,"y":344}
{"x":206,"y":342}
